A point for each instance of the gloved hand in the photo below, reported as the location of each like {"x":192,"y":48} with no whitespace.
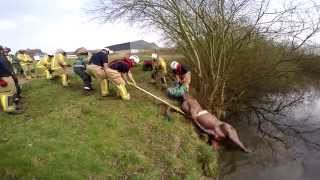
{"x":132,"y":83}
{"x":3,"y":83}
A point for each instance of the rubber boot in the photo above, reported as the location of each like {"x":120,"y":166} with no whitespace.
{"x":64,"y":79}
{"x":123,"y":92}
{"x":7,"y":103}
{"x":104,"y":86}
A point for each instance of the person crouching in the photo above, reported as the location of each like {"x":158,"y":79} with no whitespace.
{"x":96,"y":68}
{"x":79,"y":67}
{"x":182,"y":78}
{"x":54,"y":65}
{"x":119,"y":73}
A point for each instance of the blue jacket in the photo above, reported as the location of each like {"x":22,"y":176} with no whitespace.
{"x":99,"y":59}
{"x":5,"y":67}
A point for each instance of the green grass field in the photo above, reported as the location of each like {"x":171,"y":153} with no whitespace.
{"x":64,"y":134}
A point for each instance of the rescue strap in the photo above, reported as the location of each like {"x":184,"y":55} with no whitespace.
{"x":159,"y":99}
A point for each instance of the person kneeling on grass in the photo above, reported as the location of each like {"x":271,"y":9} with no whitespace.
{"x":217,"y":130}
{"x":119,"y":73}
{"x":54,"y":66}
{"x":79,"y":67}
{"x":183,"y":80}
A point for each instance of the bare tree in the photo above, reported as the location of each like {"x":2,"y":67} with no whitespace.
{"x":235,"y":47}
{"x":210,"y":32}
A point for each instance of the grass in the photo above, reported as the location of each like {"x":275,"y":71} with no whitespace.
{"x":64,"y":134}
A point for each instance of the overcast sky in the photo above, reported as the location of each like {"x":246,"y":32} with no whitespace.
{"x":52,"y":24}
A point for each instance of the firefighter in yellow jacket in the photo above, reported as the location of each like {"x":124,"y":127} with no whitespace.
{"x":159,"y":70}
{"x":55,"y":66}
{"x":26,"y":63}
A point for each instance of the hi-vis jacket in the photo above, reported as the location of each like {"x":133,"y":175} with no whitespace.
{"x":53,"y":63}
{"x":24,"y":58}
{"x":160,"y":65}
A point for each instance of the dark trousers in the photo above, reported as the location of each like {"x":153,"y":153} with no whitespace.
{"x":16,"y":83}
{"x":86,"y":78}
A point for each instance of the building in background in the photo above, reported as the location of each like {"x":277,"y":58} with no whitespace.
{"x":133,"y":47}
{"x":36,"y":54}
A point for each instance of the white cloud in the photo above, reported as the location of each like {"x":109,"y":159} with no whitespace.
{"x":7,"y":24}
{"x":71,"y":33}
{"x":68,"y":4}
{"x":66,"y":27}
{"x":30,"y":19}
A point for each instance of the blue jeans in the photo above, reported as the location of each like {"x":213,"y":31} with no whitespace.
{"x":86,"y":78}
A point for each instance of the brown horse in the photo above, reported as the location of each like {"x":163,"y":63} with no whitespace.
{"x":210,"y":124}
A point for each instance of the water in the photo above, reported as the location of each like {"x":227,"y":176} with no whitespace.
{"x":272,"y":160}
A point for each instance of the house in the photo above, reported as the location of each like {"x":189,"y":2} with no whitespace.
{"x":134,"y":46}
{"x":36,"y":54}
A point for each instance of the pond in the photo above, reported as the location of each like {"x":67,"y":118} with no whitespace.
{"x":272,"y":160}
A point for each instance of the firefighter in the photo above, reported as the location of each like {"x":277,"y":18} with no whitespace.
{"x":45,"y":65}
{"x":96,"y":68}
{"x":159,"y":70}
{"x":9,"y":60}
{"x":26,"y":63}
{"x":59,"y":66}
{"x":54,"y":66}
{"x":119,"y":73}
{"x":7,"y":85}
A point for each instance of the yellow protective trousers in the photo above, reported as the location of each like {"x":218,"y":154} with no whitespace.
{"x":60,"y":73}
{"x":159,"y":75}
{"x":122,"y":92}
{"x":117,"y":79}
{"x":7,"y":95}
{"x":64,"y":79}
{"x":100,"y":75}
{"x":104,"y":86}
{"x":48,"y":74}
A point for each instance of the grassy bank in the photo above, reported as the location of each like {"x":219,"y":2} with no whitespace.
{"x":64,"y":134}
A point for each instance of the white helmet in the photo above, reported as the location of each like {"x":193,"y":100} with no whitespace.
{"x":174,"y":65}
{"x":135,"y":59}
{"x":154,"y":56}
{"x":105,"y":49}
